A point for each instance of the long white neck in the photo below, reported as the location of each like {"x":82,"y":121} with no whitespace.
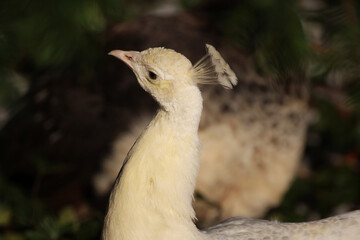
{"x":152,"y":197}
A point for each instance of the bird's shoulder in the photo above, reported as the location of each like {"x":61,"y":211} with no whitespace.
{"x":344,"y":226}
{"x":246,"y":229}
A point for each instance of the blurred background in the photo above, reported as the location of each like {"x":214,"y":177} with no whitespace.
{"x":285,"y":144}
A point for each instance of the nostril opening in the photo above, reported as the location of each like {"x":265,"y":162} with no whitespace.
{"x":129,"y":57}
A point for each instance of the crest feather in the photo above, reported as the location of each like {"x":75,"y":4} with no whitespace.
{"x":212,"y":69}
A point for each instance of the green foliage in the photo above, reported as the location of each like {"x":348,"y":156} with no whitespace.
{"x":12,"y":86}
{"x":339,"y":52}
{"x":354,"y":93}
{"x":26,"y":218}
{"x":319,"y":195}
{"x":188,"y":4}
{"x":341,"y":35}
{"x":38,"y":36}
{"x":55,"y":33}
{"x":272,"y":32}
{"x":337,"y":129}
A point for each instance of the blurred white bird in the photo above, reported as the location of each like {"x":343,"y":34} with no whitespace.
{"x":152,"y":196}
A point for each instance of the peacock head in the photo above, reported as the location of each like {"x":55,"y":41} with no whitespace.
{"x":164,"y":73}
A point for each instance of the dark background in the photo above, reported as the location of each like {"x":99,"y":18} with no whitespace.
{"x":56,"y":82}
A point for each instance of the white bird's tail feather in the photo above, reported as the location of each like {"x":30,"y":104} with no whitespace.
{"x":212,"y":69}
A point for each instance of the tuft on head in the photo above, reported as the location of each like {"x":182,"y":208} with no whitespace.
{"x":212,"y":69}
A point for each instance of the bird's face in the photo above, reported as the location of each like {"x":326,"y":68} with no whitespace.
{"x":161,"y":72}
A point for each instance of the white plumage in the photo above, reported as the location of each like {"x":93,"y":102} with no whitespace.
{"x":212,"y":69}
{"x":152,"y":196}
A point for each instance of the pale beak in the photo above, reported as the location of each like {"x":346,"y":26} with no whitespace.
{"x":127,"y":57}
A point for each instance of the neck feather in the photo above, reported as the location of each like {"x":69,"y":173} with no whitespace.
{"x":152,"y":199}
{"x":184,"y":111}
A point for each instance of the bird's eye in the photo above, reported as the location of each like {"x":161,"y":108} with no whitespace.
{"x":152,"y":75}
